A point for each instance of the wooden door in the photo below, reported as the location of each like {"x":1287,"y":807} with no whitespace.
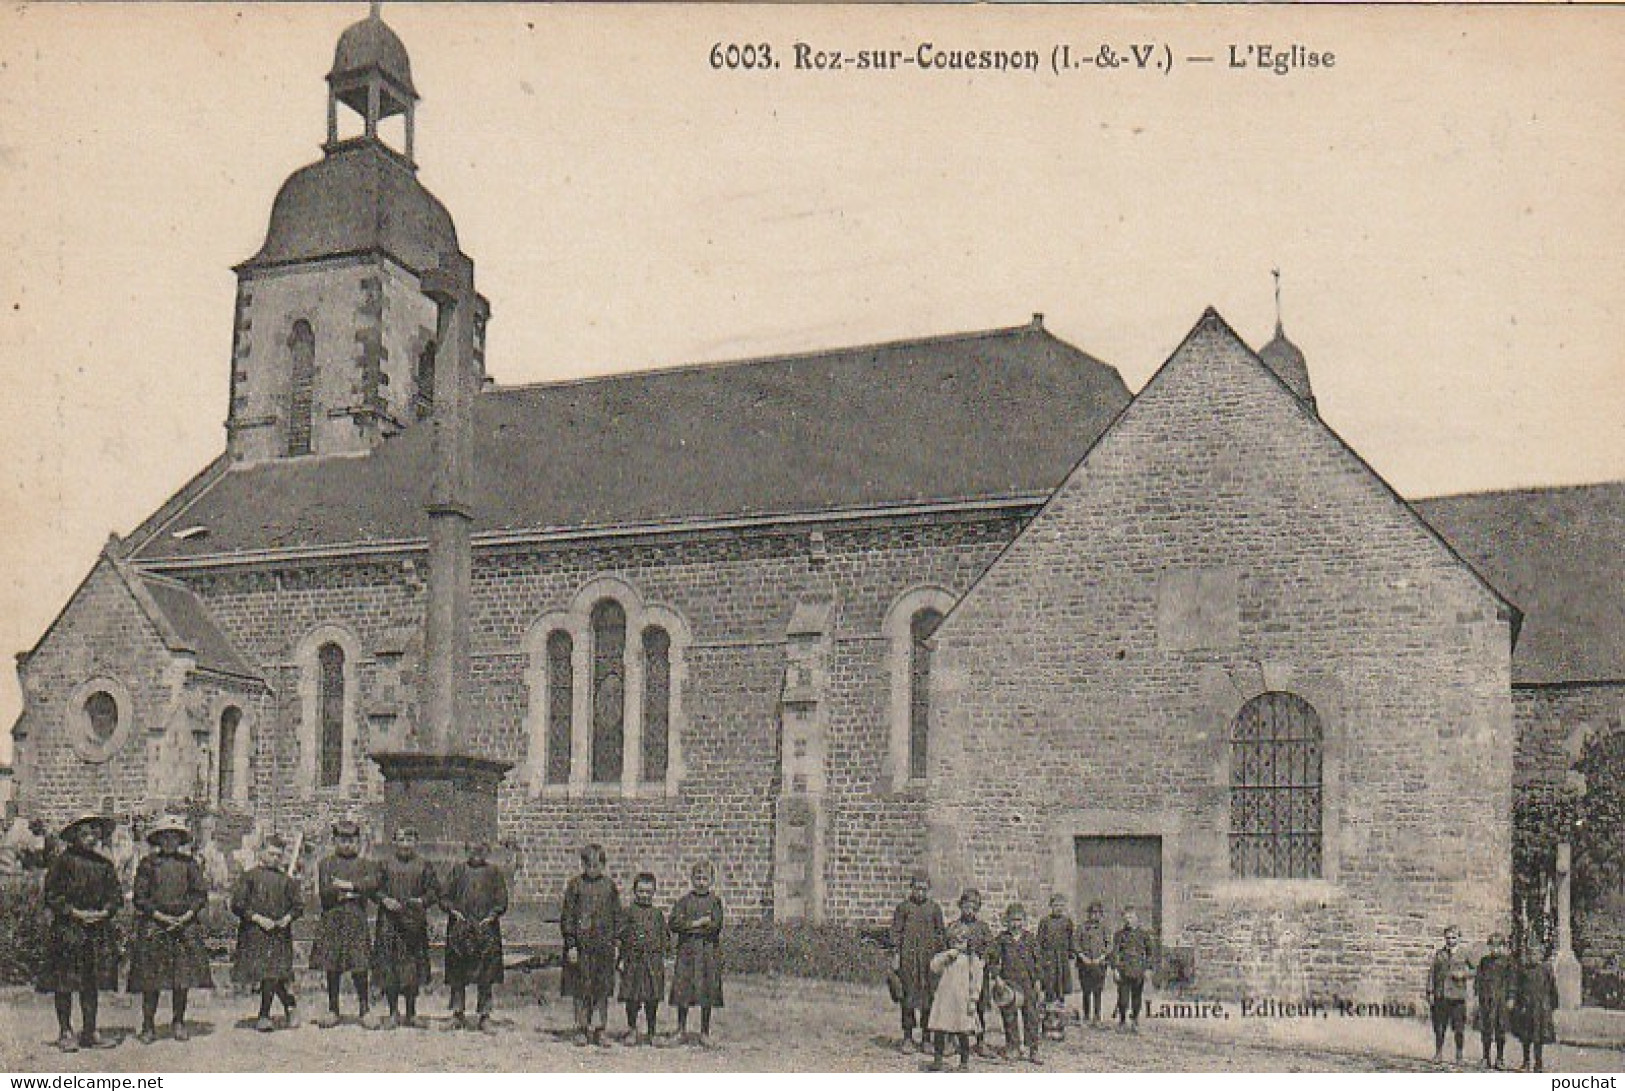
{"x":1119,"y":872}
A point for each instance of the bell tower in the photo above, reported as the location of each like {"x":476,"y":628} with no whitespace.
{"x":334,"y":348}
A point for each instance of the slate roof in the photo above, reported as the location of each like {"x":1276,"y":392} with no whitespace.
{"x":188,"y":626}
{"x":977,"y":416}
{"x":1559,"y":553}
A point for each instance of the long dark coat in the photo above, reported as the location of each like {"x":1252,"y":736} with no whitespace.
{"x":400,"y":941}
{"x":1534,"y":998}
{"x":341,"y":936}
{"x":1492,"y":986}
{"x":917,"y":934}
{"x":644,"y":944}
{"x":479,"y":896}
{"x":78,"y":955}
{"x":1055,"y":946}
{"x":696,"y":979}
{"x":590,"y":920}
{"x":261,"y":955}
{"x":169,"y":958}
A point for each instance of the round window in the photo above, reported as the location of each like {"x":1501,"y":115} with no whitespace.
{"x":98,"y":718}
{"x":102,"y":711}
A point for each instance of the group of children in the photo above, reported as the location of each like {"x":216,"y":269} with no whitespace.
{"x":1519,"y":995}
{"x":946,"y":977}
{"x":603,"y":940}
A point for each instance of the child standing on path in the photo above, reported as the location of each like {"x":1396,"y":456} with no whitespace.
{"x":1092,"y":943}
{"x":1055,"y":946}
{"x":81,"y":953}
{"x":696,"y":921}
{"x":590,"y":920}
{"x":954,"y":1002}
{"x":1015,"y":962}
{"x":1447,"y":993}
{"x":344,"y":883}
{"x":167,"y":951}
{"x":267,"y":900}
{"x":918,"y":935}
{"x":1131,"y":958}
{"x":1492,"y":987}
{"x":644,"y":943}
{"x":1534,"y":993}
{"x":476,"y":898}
{"x":400,"y":949}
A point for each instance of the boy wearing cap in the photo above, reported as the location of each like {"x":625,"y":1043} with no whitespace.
{"x":476,"y":897}
{"x":81,"y":954}
{"x":1131,"y":957}
{"x":1447,"y":993}
{"x":166,"y":951}
{"x":1492,"y":986}
{"x":267,"y":900}
{"x":344,"y":883}
{"x":1091,"y":943}
{"x":918,"y":935}
{"x":400,"y":948}
{"x":590,"y":919}
{"x":1014,"y":961}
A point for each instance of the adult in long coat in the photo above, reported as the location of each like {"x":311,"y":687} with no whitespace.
{"x":81,"y":952}
{"x":166,"y":950}
{"x":475,"y":898}
{"x":1534,"y":999}
{"x":344,"y":883}
{"x":918,"y":934}
{"x":400,"y":942}
{"x":266,"y":901}
{"x":696,"y":979}
{"x":590,"y":920}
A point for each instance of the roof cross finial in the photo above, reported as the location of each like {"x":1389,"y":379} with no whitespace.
{"x":1276,"y":273}
{"x":377,"y":7}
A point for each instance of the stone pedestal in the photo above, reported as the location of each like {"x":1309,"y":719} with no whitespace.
{"x":451,"y":799}
{"x":1564,"y":964}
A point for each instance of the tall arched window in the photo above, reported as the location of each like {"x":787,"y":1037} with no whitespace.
{"x":330,"y":716}
{"x":920,"y":628}
{"x":1275,"y":789}
{"x":560,"y":705}
{"x":656,"y":701}
{"x":226,"y":783}
{"x":608,"y":690}
{"x":301,"y":387}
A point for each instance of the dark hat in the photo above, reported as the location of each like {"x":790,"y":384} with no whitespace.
{"x":169,"y":823}
{"x":346,"y":827}
{"x":84,"y":817}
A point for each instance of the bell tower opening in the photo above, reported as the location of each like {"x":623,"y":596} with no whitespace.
{"x":369,"y":90}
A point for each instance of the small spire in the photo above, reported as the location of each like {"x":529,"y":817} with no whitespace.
{"x":1276,"y":273}
{"x":377,"y":9}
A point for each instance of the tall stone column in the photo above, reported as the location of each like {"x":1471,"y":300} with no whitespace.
{"x":1566,"y":965}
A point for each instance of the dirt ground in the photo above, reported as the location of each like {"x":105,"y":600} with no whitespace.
{"x":769,"y":1025}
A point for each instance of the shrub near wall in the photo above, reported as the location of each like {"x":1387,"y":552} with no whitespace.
{"x":795,"y":949}
{"x":22,"y":926}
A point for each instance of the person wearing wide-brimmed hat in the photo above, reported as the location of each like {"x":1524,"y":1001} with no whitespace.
{"x":267,"y":899}
{"x":345,"y":881}
{"x":918,"y":934}
{"x":400,"y":940}
{"x":166,"y":950}
{"x":81,"y":952}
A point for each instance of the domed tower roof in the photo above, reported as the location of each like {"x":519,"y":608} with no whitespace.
{"x":1286,"y":360}
{"x":371,"y":45}
{"x":363,"y":196}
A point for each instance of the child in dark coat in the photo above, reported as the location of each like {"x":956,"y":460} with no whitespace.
{"x":167,"y":949}
{"x":81,"y":953}
{"x":1015,"y":962}
{"x":590,"y":920}
{"x":1492,"y":987}
{"x":476,"y":897}
{"x":1534,"y":999}
{"x":644,"y":942}
{"x":400,"y":945}
{"x":1055,"y":945}
{"x":1132,"y":955}
{"x":918,"y":935}
{"x":267,"y":900}
{"x":344,"y":883}
{"x":1092,"y":943}
{"x":696,"y":921}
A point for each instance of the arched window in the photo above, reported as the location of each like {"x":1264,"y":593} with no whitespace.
{"x":920,"y":628}
{"x":608,"y":690}
{"x":102,"y":712}
{"x":656,"y":701}
{"x":226,"y":783}
{"x":330,"y":716}
{"x":301,"y":388}
{"x":423,"y":394}
{"x":560,"y":705}
{"x":1275,"y":789}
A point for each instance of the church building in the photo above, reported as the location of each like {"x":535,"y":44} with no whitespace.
{"x":961,"y":602}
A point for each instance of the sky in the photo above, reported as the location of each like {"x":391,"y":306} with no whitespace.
{"x":1443,"y":202}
